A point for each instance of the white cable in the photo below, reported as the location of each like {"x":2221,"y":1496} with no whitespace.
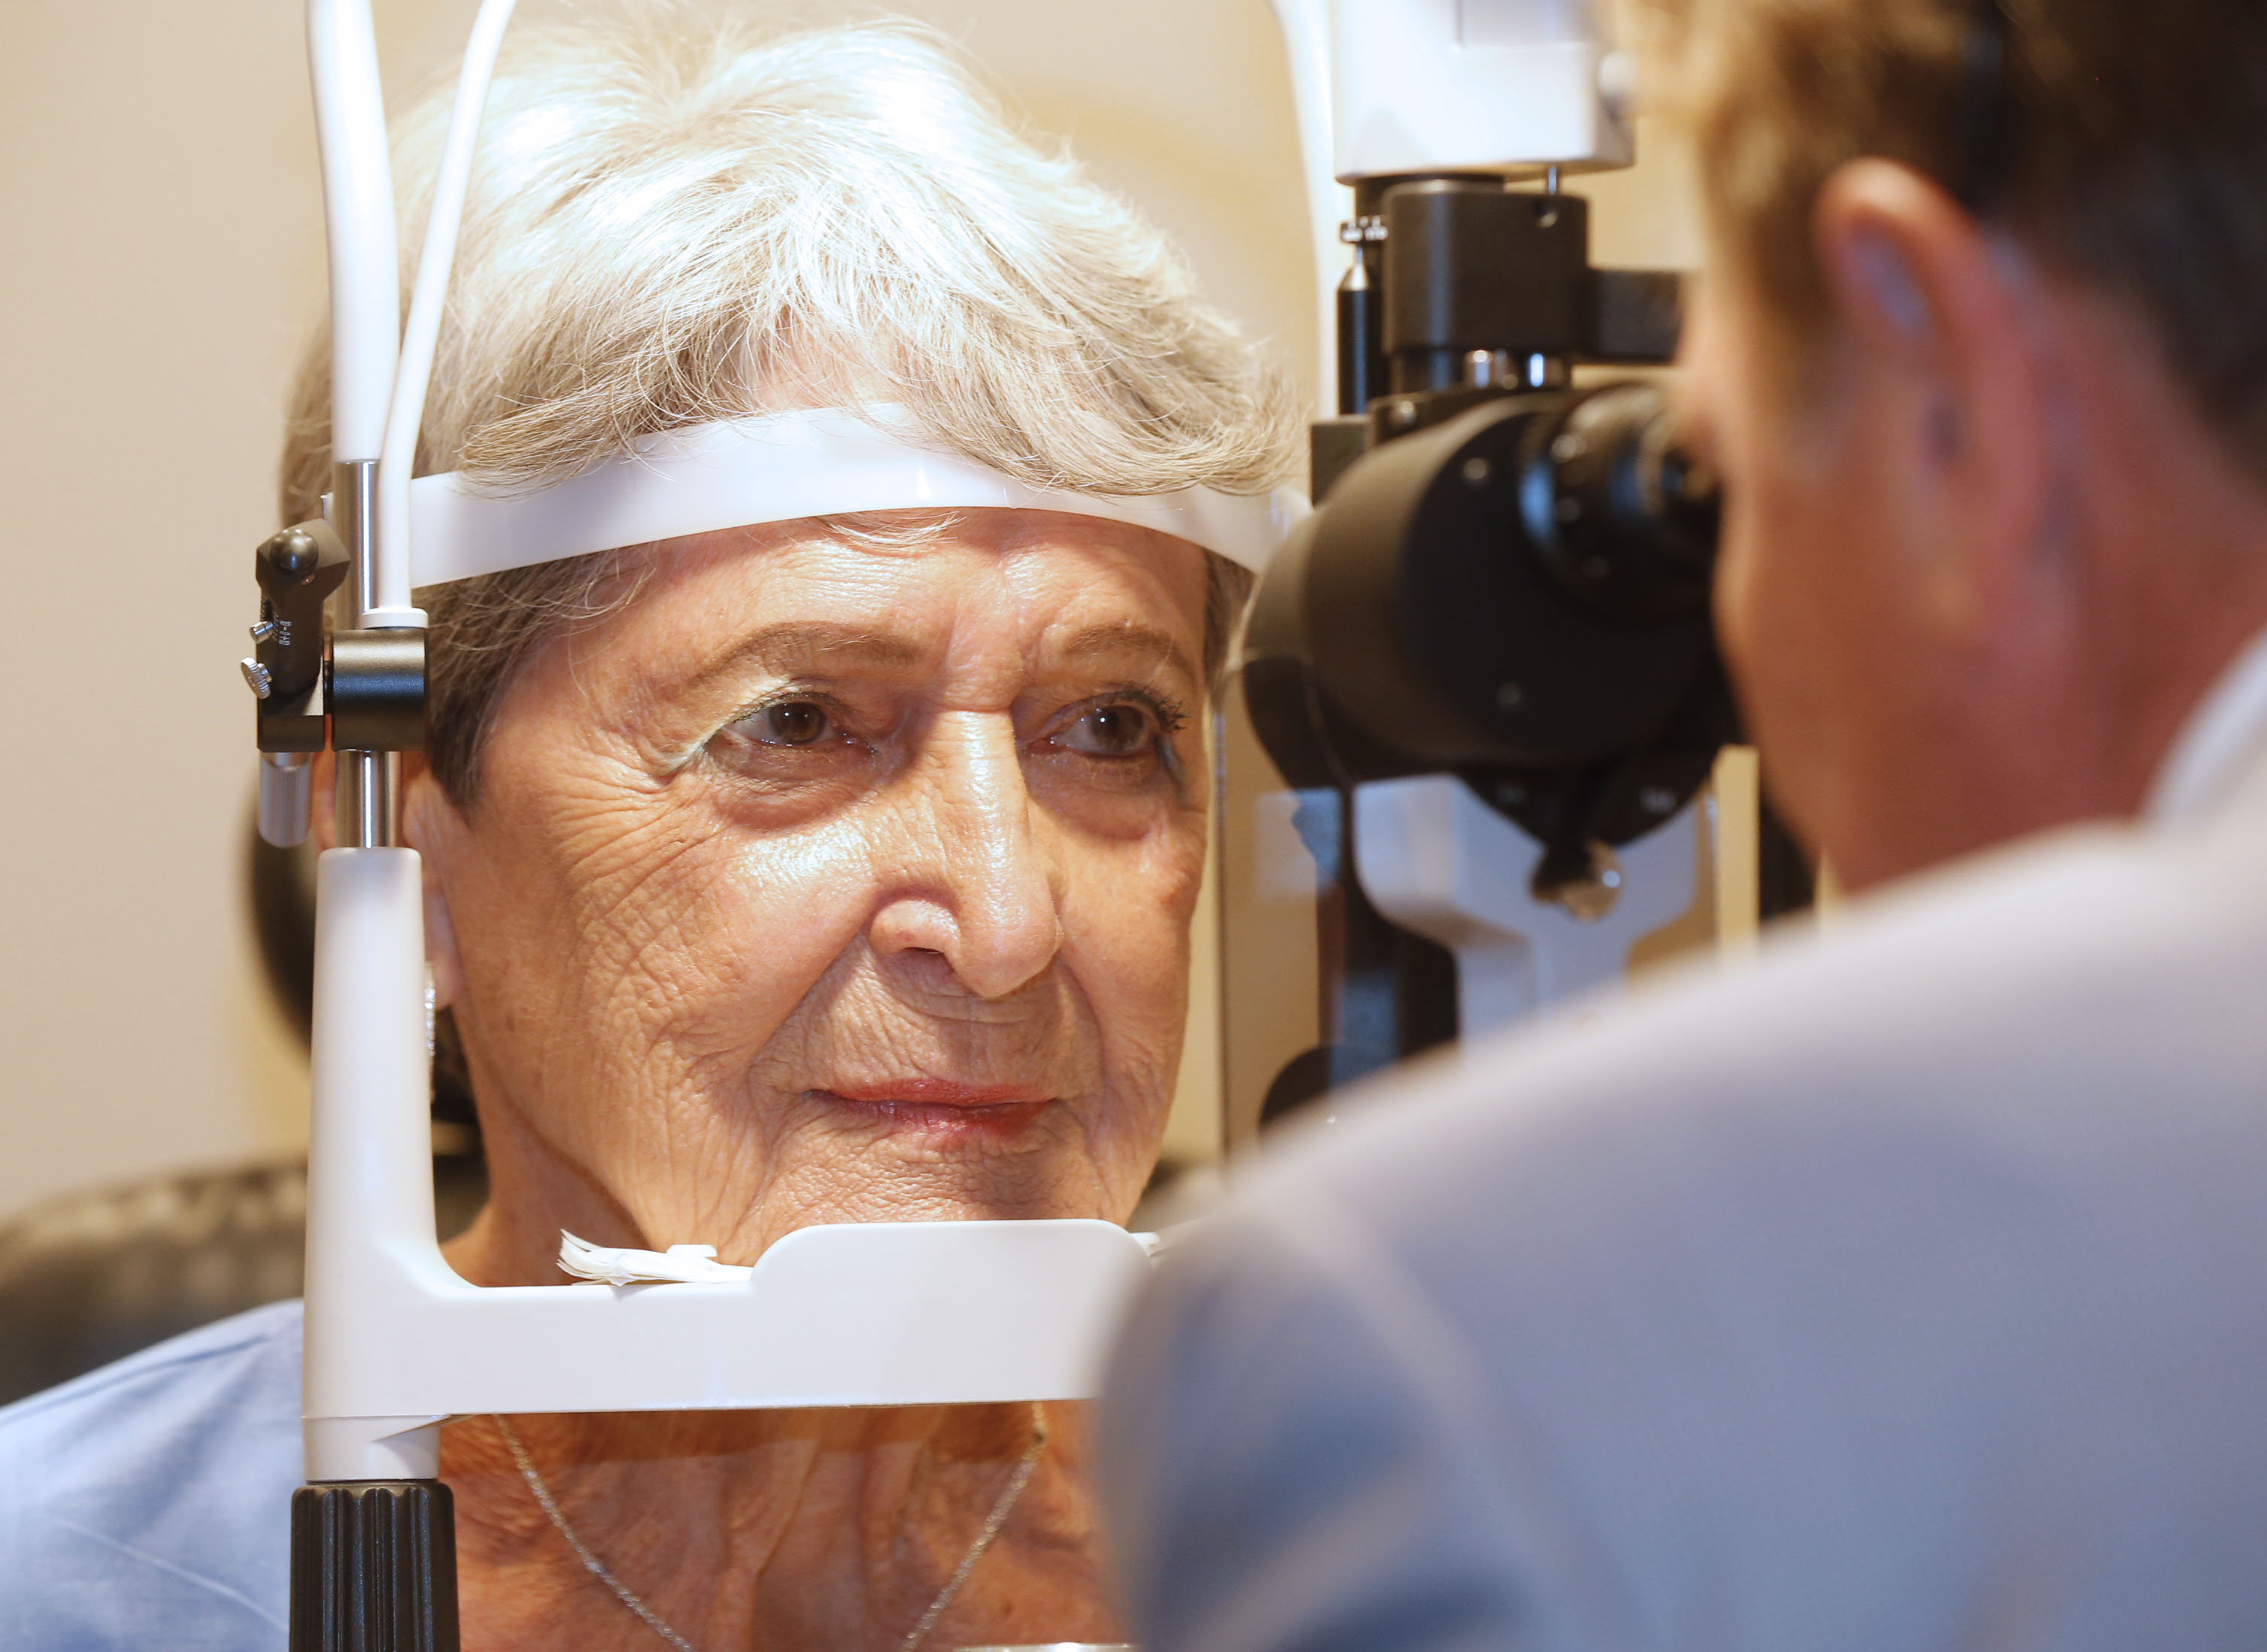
{"x":358,"y":216}
{"x":405,"y":416}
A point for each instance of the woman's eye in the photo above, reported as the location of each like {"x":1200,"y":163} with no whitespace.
{"x":789,"y":723}
{"x":1120,"y":729}
{"x":791,"y":742}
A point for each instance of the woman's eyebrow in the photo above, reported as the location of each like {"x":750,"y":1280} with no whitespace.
{"x":794,"y":646}
{"x":1129,"y":640}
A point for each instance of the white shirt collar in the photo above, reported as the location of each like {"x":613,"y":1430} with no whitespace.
{"x":2211,"y":757}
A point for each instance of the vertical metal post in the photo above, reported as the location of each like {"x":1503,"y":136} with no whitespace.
{"x":369,"y":795}
{"x":370,"y":805}
{"x":354,"y":513}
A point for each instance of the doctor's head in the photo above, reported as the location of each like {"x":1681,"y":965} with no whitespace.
{"x":838,"y":868}
{"x":1982,"y":358}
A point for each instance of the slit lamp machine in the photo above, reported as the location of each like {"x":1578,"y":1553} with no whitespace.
{"x":1483,"y":669}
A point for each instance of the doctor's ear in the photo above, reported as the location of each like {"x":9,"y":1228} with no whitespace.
{"x":1906,"y":267}
{"x":1925,"y":299}
{"x":1936,"y":330}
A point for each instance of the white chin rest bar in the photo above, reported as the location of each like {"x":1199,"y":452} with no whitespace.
{"x":781,"y":467}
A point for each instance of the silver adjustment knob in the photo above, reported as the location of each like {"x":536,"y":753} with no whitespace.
{"x":263,"y":631}
{"x":256,"y":678}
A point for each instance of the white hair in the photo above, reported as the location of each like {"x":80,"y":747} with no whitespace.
{"x":673,"y":220}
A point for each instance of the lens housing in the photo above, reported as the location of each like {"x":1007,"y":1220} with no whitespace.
{"x":1519,"y":595}
{"x":1621,"y":519}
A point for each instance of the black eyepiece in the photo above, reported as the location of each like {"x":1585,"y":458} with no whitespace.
{"x":1623,"y":521}
{"x":1520,"y":594}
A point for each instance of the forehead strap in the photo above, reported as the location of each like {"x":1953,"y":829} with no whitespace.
{"x":780,"y":467}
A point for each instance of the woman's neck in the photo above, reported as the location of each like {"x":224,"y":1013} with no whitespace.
{"x":782,"y":1529}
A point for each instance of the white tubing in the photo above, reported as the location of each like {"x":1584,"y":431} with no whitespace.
{"x":422,"y":337}
{"x":358,"y":209}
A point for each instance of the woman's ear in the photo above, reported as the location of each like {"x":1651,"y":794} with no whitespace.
{"x":323,"y":810}
{"x":431,"y":825}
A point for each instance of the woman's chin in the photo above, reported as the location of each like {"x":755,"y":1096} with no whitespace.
{"x":953,"y":1170}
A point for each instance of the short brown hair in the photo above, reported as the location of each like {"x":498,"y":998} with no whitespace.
{"x":2136,"y":155}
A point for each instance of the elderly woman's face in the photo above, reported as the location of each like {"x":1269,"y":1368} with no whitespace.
{"x":836,"y":881}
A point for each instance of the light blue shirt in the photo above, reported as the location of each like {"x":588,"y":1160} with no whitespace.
{"x":148,"y":1505}
{"x":1906,"y":1292}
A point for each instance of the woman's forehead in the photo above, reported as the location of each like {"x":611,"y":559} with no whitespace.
{"x":910,"y":548}
{"x":1049,"y":591}
{"x":907,"y":647}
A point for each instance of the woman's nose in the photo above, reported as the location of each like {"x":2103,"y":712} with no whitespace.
{"x":983,"y":889}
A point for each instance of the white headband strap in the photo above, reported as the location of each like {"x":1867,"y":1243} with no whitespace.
{"x":779,"y":467}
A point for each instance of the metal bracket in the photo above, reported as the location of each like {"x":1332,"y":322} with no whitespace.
{"x":297,"y":570}
{"x":377,"y":691}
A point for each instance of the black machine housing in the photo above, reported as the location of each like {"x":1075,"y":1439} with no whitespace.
{"x":1519,"y":596}
{"x":1507,"y":578}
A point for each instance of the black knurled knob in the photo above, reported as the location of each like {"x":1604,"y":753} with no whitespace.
{"x":374,"y":1568}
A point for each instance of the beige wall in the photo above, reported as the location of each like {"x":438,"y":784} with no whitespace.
{"x":161,"y":260}
{"x":155,"y":272}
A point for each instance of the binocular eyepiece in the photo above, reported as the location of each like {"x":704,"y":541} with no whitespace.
{"x":1519,"y":595}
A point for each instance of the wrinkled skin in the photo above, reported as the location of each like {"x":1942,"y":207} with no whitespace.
{"x":830,"y":882}
{"x":825,"y":880}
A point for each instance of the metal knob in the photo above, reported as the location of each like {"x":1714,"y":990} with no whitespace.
{"x":256,"y":678}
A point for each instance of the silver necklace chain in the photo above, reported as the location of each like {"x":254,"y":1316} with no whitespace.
{"x":1002,"y":1507}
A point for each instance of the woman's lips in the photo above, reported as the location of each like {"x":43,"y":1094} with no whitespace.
{"x":944,"y":1104}
{"x":945,"y":1093}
